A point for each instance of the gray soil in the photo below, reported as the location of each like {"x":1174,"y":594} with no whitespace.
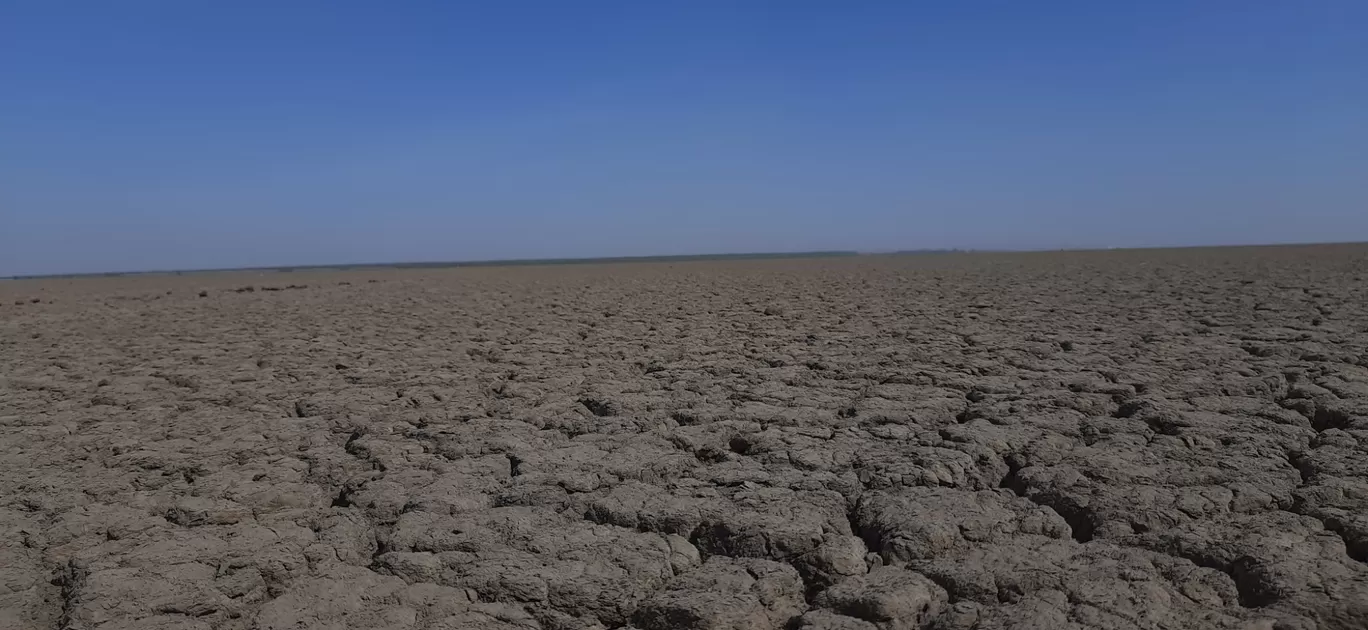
{"x":1129,"y":439}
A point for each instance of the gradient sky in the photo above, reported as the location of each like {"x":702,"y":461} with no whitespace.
{"x":172,"y":134}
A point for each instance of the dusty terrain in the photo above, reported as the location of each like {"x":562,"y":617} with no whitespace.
{"x":1151,"y":439}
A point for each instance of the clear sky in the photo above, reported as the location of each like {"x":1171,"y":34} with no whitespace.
{"x":174,"y":134}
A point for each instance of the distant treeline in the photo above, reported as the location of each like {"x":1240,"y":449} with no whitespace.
{"x":468,"y":263}
{"x":932,"y":251}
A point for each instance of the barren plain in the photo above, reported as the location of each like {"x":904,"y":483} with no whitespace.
{"x":1124,"y":439}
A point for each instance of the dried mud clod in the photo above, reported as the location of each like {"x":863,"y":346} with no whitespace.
{"x":1161,"y":440}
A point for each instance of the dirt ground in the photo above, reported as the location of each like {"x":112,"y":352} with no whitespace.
{"x":1127,"y":439}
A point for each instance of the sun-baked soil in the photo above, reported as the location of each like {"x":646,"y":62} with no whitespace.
{"x":1129,"y":439}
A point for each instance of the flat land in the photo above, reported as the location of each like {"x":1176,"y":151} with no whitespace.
{"x":1123,"y":439}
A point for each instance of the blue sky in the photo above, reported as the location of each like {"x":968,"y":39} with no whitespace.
{"x":154,"y":135}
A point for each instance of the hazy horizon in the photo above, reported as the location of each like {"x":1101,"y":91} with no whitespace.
{"x":687,"y":257}
{"x":169,"y":136}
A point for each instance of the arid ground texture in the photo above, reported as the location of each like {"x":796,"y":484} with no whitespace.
{"x":1121,"y":439}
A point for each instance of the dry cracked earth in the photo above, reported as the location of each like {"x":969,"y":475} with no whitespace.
{"x":1127,"y":439}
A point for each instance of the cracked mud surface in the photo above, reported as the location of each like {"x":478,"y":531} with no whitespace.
{"x":1160,"y":439}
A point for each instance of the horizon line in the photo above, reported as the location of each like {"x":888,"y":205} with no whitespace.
{"x":575,"y":260}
